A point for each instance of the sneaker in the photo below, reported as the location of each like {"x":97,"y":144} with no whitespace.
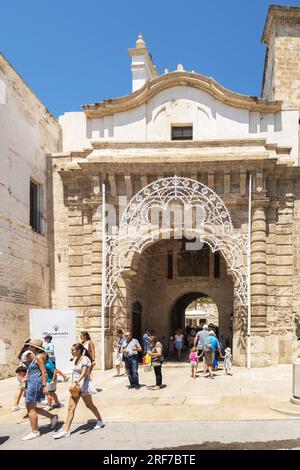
{"x":31,"y":435}
{"x":57,"y":405}
{"x":43,"y":402}
{"x":17,"y":408}
{"x":99,"y":425}
{"x":49,"y":408}
{"x":61,"y":434}
{"x":53,"y":421}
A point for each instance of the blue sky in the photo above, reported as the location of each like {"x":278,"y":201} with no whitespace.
{"x":74,"y":52}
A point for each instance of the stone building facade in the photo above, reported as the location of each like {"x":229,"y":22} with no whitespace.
{"x":184,"y":129}
{"x":27,"y":133}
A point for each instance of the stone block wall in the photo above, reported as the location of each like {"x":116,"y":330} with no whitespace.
{"x":27,"y":133}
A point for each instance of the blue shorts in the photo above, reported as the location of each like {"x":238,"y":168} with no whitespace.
{"x":34,"y":393}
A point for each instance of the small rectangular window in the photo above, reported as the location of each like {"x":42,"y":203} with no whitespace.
{"x":182,"y":133}
{"x":35,"y":206}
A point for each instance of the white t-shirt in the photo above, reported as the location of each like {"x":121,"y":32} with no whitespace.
{"x":178,"y":338}
{"x":77,"y":370}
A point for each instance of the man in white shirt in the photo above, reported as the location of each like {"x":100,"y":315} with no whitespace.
{"x":130,"y":349}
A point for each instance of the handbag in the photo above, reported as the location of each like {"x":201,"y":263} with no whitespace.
{"x":91,"y":388}
{"x":75,"y":390}
{"x":157,"y":360}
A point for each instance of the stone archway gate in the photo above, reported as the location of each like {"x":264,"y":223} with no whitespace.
{"x":136,"y":231}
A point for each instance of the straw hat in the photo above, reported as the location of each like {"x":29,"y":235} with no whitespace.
{"x":36,"y":343}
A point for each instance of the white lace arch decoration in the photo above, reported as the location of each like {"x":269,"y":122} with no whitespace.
{"x":218,"y":230}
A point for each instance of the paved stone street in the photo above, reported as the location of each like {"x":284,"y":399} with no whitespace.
{"x":185,"y":412}
{"x":152,"y":435}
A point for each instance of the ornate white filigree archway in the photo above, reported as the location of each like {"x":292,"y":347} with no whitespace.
{"x":136,"y":230}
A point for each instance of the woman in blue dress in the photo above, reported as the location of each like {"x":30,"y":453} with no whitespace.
{"x":36,"y":388}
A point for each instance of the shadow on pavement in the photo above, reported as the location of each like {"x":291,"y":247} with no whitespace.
{"x":89,"y":426}
{"x":3,"y":439}
{"x":47,"y":429}
{"x":256,"y":445}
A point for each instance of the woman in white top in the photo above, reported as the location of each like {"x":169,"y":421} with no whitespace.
{"x":81,"y":377}
{"x":179,"y":343}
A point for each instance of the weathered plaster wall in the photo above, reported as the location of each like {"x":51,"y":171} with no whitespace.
{"x":27,"y":133}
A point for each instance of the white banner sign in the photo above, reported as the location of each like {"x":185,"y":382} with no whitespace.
{"x":61,"y":325}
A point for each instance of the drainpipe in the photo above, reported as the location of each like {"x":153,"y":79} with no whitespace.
{"x":103,"y":297}
{"x":249,"y":276}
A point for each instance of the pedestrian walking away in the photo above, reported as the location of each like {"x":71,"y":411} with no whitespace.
{"x":193,"y":361}
{"x":81,"y":388}
{"x":130,"y":349}
{"x":210,"y":347}
{"x":200,"y":340}
{"x":35,"y":388}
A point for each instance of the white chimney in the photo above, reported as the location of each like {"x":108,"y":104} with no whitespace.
{"x":142,"y":67}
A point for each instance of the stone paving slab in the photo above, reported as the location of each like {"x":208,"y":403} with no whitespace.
{"x":248,"y":394}
{"x":157,"y":435}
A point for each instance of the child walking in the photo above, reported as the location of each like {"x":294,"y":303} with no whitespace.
{"x":227,"y":361}
{"x":193,"y":361}
{"x":51,"y":385}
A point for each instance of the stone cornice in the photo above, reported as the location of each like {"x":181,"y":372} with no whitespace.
{"x":279,"y":14}
{"x":171,"y":79}
{"x":87,"y":169}
{"x":180,"y":144}
{"x":155,"y":152}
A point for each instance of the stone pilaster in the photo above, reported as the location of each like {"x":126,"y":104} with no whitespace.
{"x":258,"y":266}
{"x":260,"y":350}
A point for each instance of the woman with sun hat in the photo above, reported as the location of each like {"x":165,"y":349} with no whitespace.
{"x":35,"y":388}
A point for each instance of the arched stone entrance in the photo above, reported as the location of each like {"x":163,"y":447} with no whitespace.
{"x":165,"y":294}
{"x":128,"y":251}
{"x":223,"y":302}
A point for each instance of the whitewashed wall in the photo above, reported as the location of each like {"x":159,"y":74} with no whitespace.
{"x":210,"y":118}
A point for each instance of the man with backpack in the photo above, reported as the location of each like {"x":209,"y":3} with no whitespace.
{"x":209,"y":349}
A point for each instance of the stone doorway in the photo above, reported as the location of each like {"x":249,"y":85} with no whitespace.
{"x":165,"y":290}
